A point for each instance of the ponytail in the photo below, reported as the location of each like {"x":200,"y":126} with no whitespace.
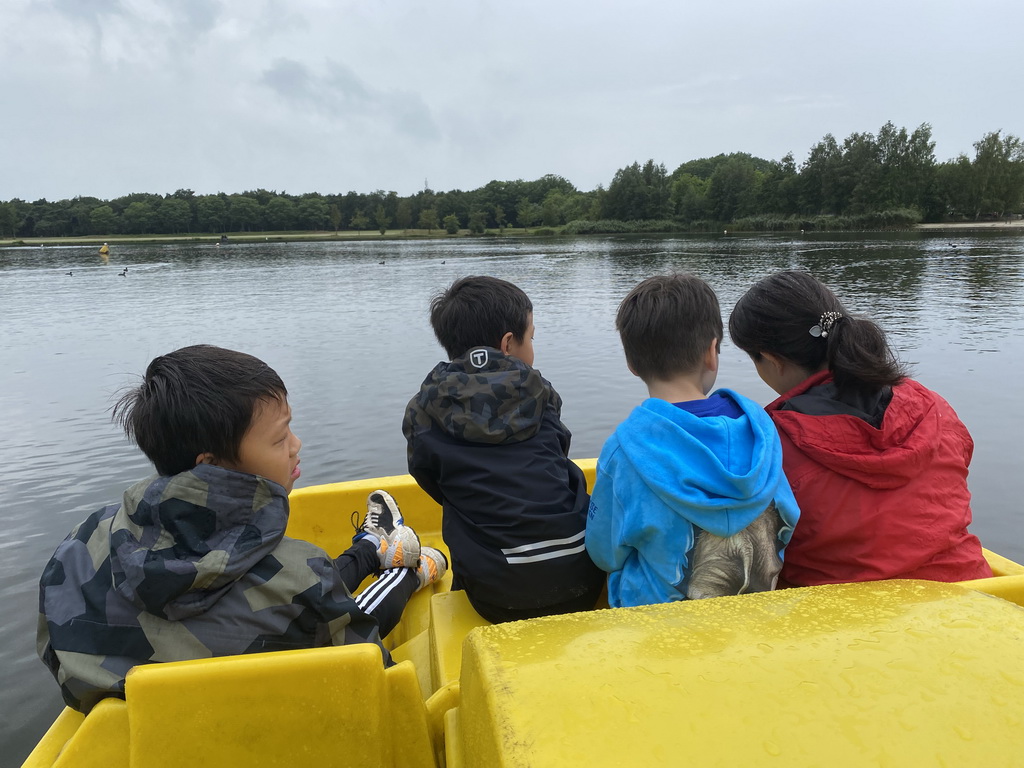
{"x":859,"y":357}
{"x":792,"y":315}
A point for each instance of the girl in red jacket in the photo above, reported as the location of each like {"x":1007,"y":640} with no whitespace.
{"x":877,"y":462}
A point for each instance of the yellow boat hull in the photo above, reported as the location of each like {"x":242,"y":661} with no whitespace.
{"x":882,"y":673}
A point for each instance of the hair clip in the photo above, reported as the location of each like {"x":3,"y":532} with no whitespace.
{"x":825,"y":324}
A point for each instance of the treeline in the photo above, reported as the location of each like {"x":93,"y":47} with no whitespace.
{"x":888,"y":179}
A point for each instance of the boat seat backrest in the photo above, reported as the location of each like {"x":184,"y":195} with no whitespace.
{"x":318,"y":707}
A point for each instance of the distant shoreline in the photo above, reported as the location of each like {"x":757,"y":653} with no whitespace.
{"x":411,"y":234}
{"x":1013,"y":224}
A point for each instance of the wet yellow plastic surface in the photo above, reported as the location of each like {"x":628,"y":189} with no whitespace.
{"x":102,"y":740}
{"x":888,"y":673}
{"x":316,"y":707}
{"x":451,"y":619}
{"x":67,"y":724}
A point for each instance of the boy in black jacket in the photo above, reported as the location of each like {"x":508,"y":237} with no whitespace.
{"x":486,"y":441}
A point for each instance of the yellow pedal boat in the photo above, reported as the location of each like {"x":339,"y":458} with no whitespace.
{"x":891,"y":673}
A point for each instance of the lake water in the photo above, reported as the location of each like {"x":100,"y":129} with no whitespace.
{"x":351,"y":339}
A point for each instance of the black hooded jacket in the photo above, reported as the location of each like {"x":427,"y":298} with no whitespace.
{"x":486,"y":441}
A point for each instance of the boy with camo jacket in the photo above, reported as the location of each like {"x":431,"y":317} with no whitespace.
{"x":194,"y":562}
{"x":486,"y":441}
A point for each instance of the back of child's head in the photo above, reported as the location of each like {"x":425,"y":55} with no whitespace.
{"x":666,"y":324}
{"x":477,"y":312}
{"x":794,"y":316}
{"x":196,"y":400}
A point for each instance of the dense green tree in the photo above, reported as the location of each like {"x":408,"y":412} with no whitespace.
{"x":527,"y":212}
{"x":260,"y":195}
{"x":537,"y":190}
{"x":138,"y":218}
{"x":551,"y":210}
{"x":428,"y":219}
{"x":500,"y":194}
{"x":777,"y":192}
{"x":732,"y":190}
{"x":279,"y":213}
{"x":998,"y":175}
{"x":335,"y":217}
{"x":313,"y":212}
{"x":403,"y":214}
{"x":638,"y":193}
{"x":79,"y":209}
{"x":360,"y":221}
{"x":22,"y":213}
{"x":705,"y":167}
{"x":451,"y":224}
{"x":211,"y":213}
{"x":456,"y":202}
{"x":499,"y":217}
{"x":559,"y":207}
{"x":8,"y":220}
{"x":120,"y":204}
{"x":50,"y":219}
{"x":175,"y":215}
{"x":381,"y":218}
{"x":820,"y":177}
{"x":954,"y":181}
{"x":244,"y":213}
{"x":907,"y":167}
{"x":689,"y":197}
{"x":858,"y":176}
{"x":477,"y":222}
{"x":103,"y":220}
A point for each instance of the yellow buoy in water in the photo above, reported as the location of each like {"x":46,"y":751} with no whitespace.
{"x":105,"y":253}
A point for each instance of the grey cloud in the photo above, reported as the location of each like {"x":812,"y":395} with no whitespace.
{"x":346,"y":86}
{"x":197,"y":16}
{"x":91,"y":11}
{"x":290,"y":80}
{"x":92,"y":14}
{"x":340,"y":94}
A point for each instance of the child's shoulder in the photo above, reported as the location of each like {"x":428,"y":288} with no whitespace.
{"x":96,"y":524}
{"x":742,"y":400}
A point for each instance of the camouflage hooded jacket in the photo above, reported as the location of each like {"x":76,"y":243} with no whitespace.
{"x":486,"y":441}
{"x":189,"y":566}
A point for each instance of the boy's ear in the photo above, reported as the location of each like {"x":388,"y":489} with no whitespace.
{"x":505,"y":341}
{"x":711,"y":355}
{"x":205,"y":458}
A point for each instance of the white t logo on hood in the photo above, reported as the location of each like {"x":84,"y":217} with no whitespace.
{"x":478,"y":357}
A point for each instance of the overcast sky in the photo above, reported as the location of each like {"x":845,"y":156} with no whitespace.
{"x":109,"y":97}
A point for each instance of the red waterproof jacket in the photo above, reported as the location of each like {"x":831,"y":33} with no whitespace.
{"x":876,"y":503}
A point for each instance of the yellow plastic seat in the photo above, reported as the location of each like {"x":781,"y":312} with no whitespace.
{"x":101,"y":741}
{"x":326,"y":706}
{"x":451,"y":619}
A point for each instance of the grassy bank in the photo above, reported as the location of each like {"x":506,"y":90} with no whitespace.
{"x":418,"y":234}
{"x":243,"y":237}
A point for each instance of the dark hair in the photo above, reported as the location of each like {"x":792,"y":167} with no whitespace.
{"x":777,"y":314}
{"x":666,"y":324}
{"x":196,"y":400}
{"x":478,"y":311}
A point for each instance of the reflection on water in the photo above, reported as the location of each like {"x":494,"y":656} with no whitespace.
{"x":351,"y":339}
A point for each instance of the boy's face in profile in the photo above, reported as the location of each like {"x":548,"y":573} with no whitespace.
{"x":269,"y":448}
{"x":522,"y":350}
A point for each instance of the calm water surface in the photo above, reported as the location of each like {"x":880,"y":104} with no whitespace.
{"x":351,"y":339}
